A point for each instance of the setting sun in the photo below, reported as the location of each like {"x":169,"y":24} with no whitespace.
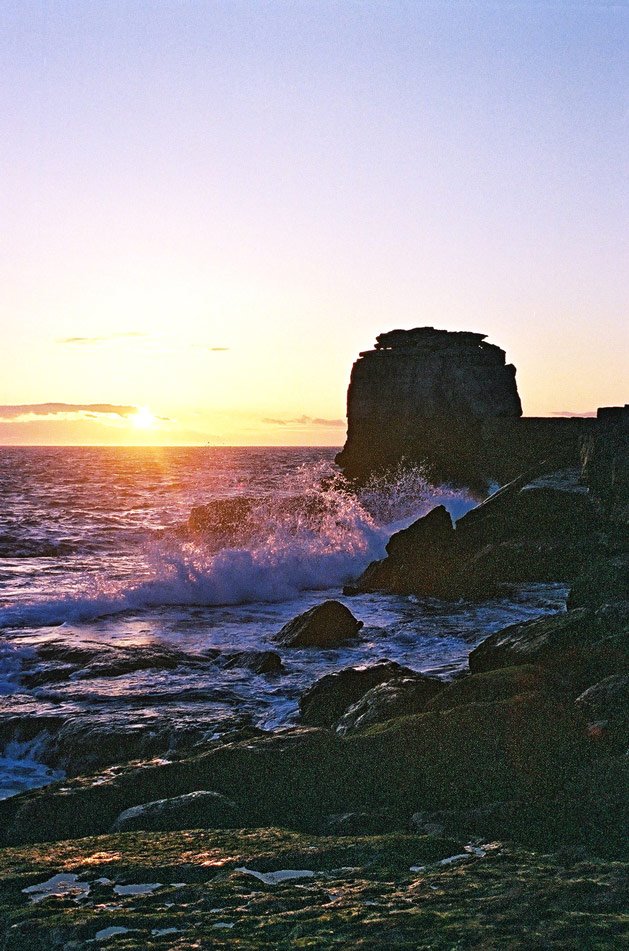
{"x":143,"y":419}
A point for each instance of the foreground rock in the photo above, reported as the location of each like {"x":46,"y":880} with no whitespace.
{"x":195,"y":810}
{"x":389,"y":891}
{"x":401,"y":697}
{"x":580,"y":646}
{"x":533,"y":746}
{"x":326,"y":701}
{"x":330,"y":624}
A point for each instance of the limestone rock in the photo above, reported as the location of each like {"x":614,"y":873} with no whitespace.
{"x":395,"y":698}
{"x":326,"y":701}
{"x":578,"y":646}
{"x":201,"y":809}
{"x":423,"y":393}
{"x":448,"y":402}
{"x":326,"y":625}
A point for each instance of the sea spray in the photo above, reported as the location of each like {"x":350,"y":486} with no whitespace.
{"x":315,"y":534}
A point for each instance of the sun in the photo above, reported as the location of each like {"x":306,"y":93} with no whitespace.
{"x":143,"y":419}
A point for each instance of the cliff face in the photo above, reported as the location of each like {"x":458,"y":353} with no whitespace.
{"x":424,"y":395}
{"x":605,"y":455}
{"x":450,"y":402}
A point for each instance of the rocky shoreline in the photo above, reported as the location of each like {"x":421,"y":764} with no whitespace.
{"x":401,"y":801}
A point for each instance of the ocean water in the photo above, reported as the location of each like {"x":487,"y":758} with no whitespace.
{"x":120,"y":613}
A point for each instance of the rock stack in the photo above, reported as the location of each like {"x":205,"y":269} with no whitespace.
{"x":449,"y":401}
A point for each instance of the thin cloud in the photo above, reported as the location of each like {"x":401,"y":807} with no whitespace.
{"x":203,"y":346}
{"x":104,"y":338}
{"x":19,"y":410}
{"x":304,"y":421}
{"x":568,"y":413}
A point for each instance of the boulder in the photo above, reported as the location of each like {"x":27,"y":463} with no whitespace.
{"x":607,"y":701}
{"x":291,"y":777}
{"x":201,"y":809}
{"x":577,"y":646}
{"x":539,"y":528}
{"x":258,"y":662}
{"x":326,"y":701}
{"x":394,"y":698}
{"x":419,"y":559}
{"x":329,"y":624}
{"x":530,"y":747}
{"x":603,"y":581}
{"x":501,"y":684}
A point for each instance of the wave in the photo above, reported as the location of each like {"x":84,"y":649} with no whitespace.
{"x":319,"y":535}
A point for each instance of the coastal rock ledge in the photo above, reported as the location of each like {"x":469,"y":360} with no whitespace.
{"x":449,"y":401}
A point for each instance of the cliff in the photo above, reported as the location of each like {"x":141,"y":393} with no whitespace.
{"x":449,"y":401}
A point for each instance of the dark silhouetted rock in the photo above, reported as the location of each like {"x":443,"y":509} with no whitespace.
{"x":326,"y":701}
{"x":420,"y":559}
{"x":605,"y":456}
{"x":422,"y":395}
{"x":259,"y":662}
{"x":201,"y":809}
{"x":501,"y":684}
{"x":394,"y":698}
{"x":326,"y":625}
{"x":608,"y":700}
{"x":602,"y":582}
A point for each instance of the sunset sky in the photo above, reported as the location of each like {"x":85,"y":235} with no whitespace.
{"x":209,"y":208}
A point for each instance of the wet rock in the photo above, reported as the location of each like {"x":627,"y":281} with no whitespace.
{"x":258,"y":662}
{"x":201,"y":809}
{"x":501,"y":684}
{"x":289,"y":777}
{"x":326,"y":701}
{"x":606,"y":706}
{"x":420,"y":559}
{"x":536,"y":529}
{"x":528,"y":747}
{"x":394,"y":698}
{"x":603,"y":582}
{"x":329,"y":624}
{"x":571,"y":644}
{"x":56,"y":661}
{"x":532,"y":508}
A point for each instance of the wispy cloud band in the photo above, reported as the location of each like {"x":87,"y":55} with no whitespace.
{"x":20,"y":411}
{"x":304,"y":421}
{"x":104,"y":338}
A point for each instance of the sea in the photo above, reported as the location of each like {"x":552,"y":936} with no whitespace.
{"x":130,"y":577}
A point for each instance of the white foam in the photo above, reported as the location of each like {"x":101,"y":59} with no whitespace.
{"x":21,"y":770}
{"x":322,"y":542}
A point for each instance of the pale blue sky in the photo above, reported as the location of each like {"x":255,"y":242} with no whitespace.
{"x":287,"y":179}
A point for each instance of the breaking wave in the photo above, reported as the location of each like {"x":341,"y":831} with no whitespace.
{"x":317,"y":535}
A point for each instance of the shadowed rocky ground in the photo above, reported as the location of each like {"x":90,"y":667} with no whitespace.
{"x":213,"y":890}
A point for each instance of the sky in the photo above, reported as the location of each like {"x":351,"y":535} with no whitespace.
{"x":209,"y":208}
